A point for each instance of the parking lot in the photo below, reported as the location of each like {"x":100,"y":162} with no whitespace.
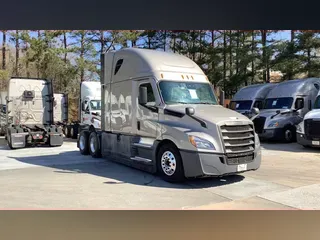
{"x":61,"y":178}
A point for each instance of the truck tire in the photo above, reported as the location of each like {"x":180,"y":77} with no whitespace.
{"x":84,"y":142}
{"x":74,"y":131}
{"x":94,"y":145}
{"x":169,"y":164}
{"x":289,"y":134}
{"x":9,"y":140}
{"x":67,"y":131}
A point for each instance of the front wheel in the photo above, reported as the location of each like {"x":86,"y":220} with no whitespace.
{"x":289,"y":134}
{"x":169,"y":164}
{"x":94,"y":145}
{"x":83,"y":143}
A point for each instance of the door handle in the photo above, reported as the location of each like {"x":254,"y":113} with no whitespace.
{"x":138,"y":125}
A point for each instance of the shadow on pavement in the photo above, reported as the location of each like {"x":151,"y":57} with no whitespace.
{"x":116,"y":173}
{"x":288,"y":147}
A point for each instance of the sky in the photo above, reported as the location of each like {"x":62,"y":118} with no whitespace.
{"x":282,"y":35}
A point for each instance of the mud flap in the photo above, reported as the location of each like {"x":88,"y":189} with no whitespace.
{"x":18,"y":140}
{"x":55,"y":139}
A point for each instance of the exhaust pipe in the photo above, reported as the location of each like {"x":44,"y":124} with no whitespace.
{"x":221,"y":98}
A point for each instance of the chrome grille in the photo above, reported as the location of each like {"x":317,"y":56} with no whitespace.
{"x":312,"y":129}
{"x":238,"y":140}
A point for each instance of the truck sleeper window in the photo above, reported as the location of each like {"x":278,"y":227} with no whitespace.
{"x":187,"y":93}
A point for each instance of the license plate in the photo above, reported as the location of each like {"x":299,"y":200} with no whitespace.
{"x":315,"y":142}
{"x":242,"y":167}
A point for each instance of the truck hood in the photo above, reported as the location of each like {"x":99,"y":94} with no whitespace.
{"x":267,"y":113}
{"x":211,"y":113}
{"x":315,"y":113}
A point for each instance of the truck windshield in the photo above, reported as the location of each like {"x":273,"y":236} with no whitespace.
{"x":187,"y":93}
{"x":241,"y":105}
{"x":278,"y":103}
{"x":317,"y":103}
{"x":95,"y":105}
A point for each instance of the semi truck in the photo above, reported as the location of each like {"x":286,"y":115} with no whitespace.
{"x":29,"y":117}
{"x":89,"y":109}
{"x":3,"y":106}
{"x":174,"y":124}
{"x":60,"y":109}
{"x":308,"y":131}
{"x":284,"y":108}
{"x":250,"y":97}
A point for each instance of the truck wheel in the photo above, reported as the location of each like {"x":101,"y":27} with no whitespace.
{"x":289,"y":134}
{"x":67,"y":131}
{"x":9,"y":140}
{"x":94,"y":145}
{"x":169,"y":164}
{"x":74,"y":131}
{"x":83,"y":143}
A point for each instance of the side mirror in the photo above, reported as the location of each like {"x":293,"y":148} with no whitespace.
{"x":190,"y":111}
{"x":255,"y":111}
{"x":143,"y":95}
{"x":83,"y":106}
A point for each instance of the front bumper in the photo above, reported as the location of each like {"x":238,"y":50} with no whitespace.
{"x":207,"y":164}
{"x":302,"y":140}
{"x":271,"y":134}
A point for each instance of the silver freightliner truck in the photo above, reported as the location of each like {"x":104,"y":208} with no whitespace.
{"x":250,"y":97}
{"x":284,"y":108}
{"x":174,"y":125}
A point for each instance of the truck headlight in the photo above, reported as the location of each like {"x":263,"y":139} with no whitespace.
{"x":257,"y":140}
{"x":300,"y":127}
{"x":201,"y":143}
{"x":273,"y":124}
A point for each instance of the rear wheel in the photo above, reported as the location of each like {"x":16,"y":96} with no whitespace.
{"x":74,"y":131}
{"x":94,"y":145}
{"x":169,"y":164}
{"x":83,"y":143}
{"x":67,"y":131}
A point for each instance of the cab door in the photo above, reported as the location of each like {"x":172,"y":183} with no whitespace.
{"x":146,"y":120}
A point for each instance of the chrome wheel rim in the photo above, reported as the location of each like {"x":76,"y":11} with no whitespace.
{"x":66,"y":131}
{"x":82,"y":142}
{"x":168,"y":163}
{"x":93,"y":144}
{"x":71,"y":132}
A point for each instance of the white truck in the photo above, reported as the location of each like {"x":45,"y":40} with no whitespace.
{"x":174,"y":124}
{"x":60,"y":109}
{"x":29,"y":115}
{"x":308,"y":131}
{"x":3,"y":105}
{"x":89,"y":109}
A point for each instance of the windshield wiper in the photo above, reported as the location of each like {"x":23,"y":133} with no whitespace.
{"x":204,"y":103}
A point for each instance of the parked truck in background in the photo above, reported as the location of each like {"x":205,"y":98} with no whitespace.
{"x":308,"y":131}
{"x":60,"y":109}
{"x":284,"y":108}
{"x":89,"y":109}
{"x":250,"y":97}
{"x":29,"y":115}
{"x":3,"y":106}
{"x":174,"y":125}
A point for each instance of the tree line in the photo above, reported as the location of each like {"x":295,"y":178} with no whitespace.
{"x":230,"y":58}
